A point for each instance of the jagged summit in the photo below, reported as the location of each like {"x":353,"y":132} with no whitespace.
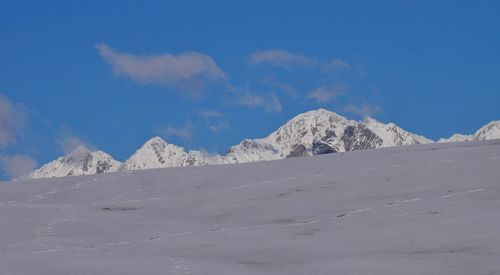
{"x":320,"y":132}
{"x":392,"y":135}
{"x":80,"y":161}
{"x":157,"y":153}
{"x":301,"y":135}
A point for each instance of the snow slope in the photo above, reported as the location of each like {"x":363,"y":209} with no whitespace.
{"x":418,"y":209}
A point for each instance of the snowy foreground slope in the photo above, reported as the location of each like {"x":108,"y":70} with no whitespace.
{"x":418,"y":209}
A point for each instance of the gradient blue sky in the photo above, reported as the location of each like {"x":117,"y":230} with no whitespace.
{"x":206,"y":74}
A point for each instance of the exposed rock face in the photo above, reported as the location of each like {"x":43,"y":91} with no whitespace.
{"x":359,"y":137}
{"x":321,"y":132}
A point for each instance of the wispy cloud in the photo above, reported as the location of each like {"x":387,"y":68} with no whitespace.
{"x":289,"y":60}
{"x":215,"y":121}
{"x":274,"y":104}
{"x":13,"y":118}
{"x":17,"y":166}
{"x":270,"y":103}
{"x":251,"y":100}
{"x":317,"y":68}
{"x":326,"y":94}
{"x":281,"y":58}
{"x":188,"y":72}
{"x":337,"y":65}
{"x":71,"y":144}
{"x":185,"y":132}
{"x":364,"y":109}
{"x":272,"y":81}
{"x":211,"y":113}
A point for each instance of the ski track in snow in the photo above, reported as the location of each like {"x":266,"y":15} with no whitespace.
{"x":179,"y":266}
{"x":45,"y":230}
{"x":395,"y":203}
{"x":55,"y":191}
{"x":269,"y":181}
{"x":460,"y":193}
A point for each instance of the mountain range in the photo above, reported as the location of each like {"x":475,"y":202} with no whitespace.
{"x":488,"y":131}
{"x":312,"y":133}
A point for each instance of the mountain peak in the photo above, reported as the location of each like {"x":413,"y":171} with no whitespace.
{"x":319,"y":132}
{"x":456,"y":138}
{"x":370,"y":120}
{"x":155,"y":139}
{"x":318,"y":113}
{"x":81,"y":161}
{"x":488,"y":131}
{"x":157,"y":153}
{"x":78,"y":153}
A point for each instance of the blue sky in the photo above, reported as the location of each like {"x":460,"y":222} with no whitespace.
{"x":206,"y":74}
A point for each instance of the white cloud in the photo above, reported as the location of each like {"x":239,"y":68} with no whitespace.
{"x":189,"y":72}
{"x":70,"y":144}
{"x":270,"y":103}
{"x":12,"y":120}
{"x":288,"y":60}
{"x":185,"y":132}
{"x":274,"y":104}
{"x":337,"y":65}
{"x":215,"y":121}
{"x":364,"y":109}
{"x":251,"y":101}
{"x":17,"y":166}
{"x":281,"y":58}
{"x":211,"y":113}
{"x":326,"y":94}
{"x":277,"y":84}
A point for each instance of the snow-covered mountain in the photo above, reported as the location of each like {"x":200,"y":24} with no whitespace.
{"x":392,"y":135}
{"x":457,"y":138}
{"x":311,"y":133}
{"x":81,"y":161}
{"x":319,"y":132}
{"x":488,"y":131}
{"x":157,"y":153}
